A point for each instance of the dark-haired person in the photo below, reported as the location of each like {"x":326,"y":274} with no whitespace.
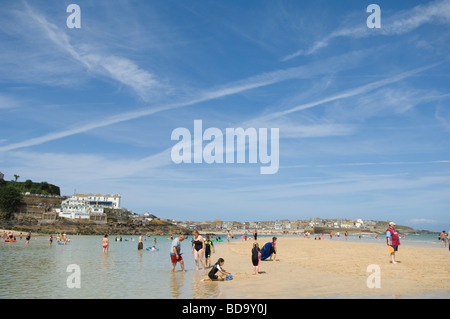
{"x":217,"y":268}
{"x":273,"y":249}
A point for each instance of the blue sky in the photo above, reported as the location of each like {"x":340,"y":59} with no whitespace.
{"x":363,"y":114}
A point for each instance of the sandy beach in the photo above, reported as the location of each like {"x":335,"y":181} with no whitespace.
{"x":308,"y":268}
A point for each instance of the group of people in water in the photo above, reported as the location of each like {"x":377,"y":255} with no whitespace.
{"x":202,"y":248}
{"x":11,"y":237}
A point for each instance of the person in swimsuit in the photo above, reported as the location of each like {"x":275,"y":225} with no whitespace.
{"x":198,"y":248}
{"x":28,"y":238}
{"x":256,"y":257}
{"x":105,"y":243}
{"x":217,"y":268}
{"x":208,"y":247}
{"x":140,"y":243}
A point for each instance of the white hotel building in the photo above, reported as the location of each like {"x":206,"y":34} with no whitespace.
{"x":82,"y":206}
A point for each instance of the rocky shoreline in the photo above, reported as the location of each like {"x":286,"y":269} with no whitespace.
{"x":83,"y":228}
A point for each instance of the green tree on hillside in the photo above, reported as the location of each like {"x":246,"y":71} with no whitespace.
{"x":10,"y":201}
{"x":28,"y":184}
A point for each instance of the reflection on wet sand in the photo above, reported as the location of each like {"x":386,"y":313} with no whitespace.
{"x":176,"y":284}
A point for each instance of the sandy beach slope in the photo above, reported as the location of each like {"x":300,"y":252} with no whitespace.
{"x":308,"y":268}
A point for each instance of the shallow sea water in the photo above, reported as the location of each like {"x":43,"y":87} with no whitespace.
{"x":38,"y":270}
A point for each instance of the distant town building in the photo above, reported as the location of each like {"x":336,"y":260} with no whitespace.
{"x":82,"y":206}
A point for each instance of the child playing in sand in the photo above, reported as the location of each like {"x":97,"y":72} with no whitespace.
{"x":256,"y":257}
{"x":217,"y":268}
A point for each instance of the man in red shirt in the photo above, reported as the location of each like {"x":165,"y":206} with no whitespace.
{"x":393,"y":241}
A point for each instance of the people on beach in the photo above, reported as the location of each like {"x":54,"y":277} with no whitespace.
{"x":256,"y":257}
{"x":209,"y":249}
{"x":392,"y":240}
{"x":175,"y":253}
{"x":255,"y":234}
{"x":228,"y":236}
{"x":50,"y":239}
{"x":448,"y":239}
{"x":105,"y":243}
{"x":217,"y":268}
{"x":443,"y":239}
{"x":273,"y":249}
{"x":198,"y":249}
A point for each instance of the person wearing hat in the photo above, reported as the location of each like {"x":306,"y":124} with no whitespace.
{"x":393,"y":241}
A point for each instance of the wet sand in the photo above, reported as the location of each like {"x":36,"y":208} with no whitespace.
{"x":308,"y":268}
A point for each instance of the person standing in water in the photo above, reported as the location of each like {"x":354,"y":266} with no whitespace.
{"x":209,"y":249}
{"x":198,"y":249}
{"x":28,"y":238}
{"x":105,"y":243}
{"x":140,"y":243}
{"x":175,"y":253}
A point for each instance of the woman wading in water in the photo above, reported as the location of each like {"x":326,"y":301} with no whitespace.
{"x":198,"y":248}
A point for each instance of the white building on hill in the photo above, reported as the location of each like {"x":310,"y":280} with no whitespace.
{"x":82,"y":206}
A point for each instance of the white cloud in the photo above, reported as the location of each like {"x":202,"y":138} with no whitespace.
{"x":399,"y":23}
{"x":7,"y":102}
{"x":349,"y":93}
{"x":442,"y":114}
{"x":333,"y":64}
{"x":120,"y":69}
